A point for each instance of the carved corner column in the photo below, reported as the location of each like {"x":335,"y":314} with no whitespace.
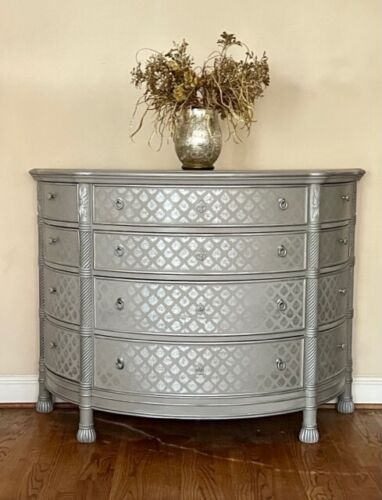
{"x":309,"y":432}
{"x":345,"y":401}
{"x":86,"y":432}
{"x":44,"y":402}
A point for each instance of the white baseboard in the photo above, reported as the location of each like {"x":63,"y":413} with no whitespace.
{"x":24,"y":389}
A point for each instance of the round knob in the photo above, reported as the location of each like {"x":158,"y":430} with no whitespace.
{"x":341,"y":346}
{"x":119,"y":203}
{"x":120,"y":364}
{"x":119,"y":250}
{"x":52,"y":345}
{"x":343,"y":241}
{"x":342,"y":291}
{"x":52,"y":196}
{"x":52,"y":289}
{"x":283,"y":204}
{"x":345,"y":197}
{"x":282,"y":251}
{"x":52,"y":241}
{"x":281,"y":305}
{"x":201,"y":208}
{"x":201,"y":256}
{"x":120,"y":303}
{"x":280,"y":364}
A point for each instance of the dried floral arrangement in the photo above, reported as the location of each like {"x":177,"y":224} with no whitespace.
{"x":173,"y":83}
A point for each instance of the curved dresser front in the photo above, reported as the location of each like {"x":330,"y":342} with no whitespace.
{"x":196,"y":295}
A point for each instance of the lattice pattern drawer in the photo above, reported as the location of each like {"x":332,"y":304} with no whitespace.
{"x":62,"y":295}
{"x":334,"y":246}
{"x":333,"y":297}
{"x":198,"y":309}
{"x":337,"y":202}
{"x":331,"y":352}
{"x":61,"y":246}
{"x":62,"y":351}
{"x":197,"y":254}
{"x":252,"y":206}
{"x":58,"y":201}
{"x":246,"y":368}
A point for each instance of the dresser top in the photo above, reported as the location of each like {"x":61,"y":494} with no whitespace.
{"x":200,"y":177}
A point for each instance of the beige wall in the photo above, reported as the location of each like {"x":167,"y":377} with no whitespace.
{"x":66,"y":101}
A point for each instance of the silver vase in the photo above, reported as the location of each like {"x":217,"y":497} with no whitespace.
{"x":198,"y":138}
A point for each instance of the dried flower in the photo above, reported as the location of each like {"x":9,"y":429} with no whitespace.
{"x":172,"y":83}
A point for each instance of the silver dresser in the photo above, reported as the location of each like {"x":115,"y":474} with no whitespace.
{"x":203,"y":295}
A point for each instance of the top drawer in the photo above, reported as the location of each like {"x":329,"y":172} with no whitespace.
{"x":337,"y":202}
{"x":59,"y":201}
{"x":236,"y":206}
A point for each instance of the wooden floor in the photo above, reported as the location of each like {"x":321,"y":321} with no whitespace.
{"x":136,"y":458}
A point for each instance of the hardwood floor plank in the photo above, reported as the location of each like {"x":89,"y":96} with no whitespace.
{"x":147,"y":459}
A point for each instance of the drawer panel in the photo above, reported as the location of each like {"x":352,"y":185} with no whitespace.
{"x":145,"y":205}
{"x":59,"y":201}
{"x":331,"y":352}
{"x":61,"y":246}
{"x":333,"y":297}
{"x":334,"y":247}
{"x":162,"y":368}
{"x":337,"y":202}
{"x":199,"y":309}
{"x":197,"y":254}
{"x":62,"y":351}
{"x":62,"y":295}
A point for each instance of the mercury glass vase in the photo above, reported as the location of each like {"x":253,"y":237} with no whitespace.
{"x":198,"y":138}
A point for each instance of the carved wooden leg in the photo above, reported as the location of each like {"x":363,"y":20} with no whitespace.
{"x":86,"y":432}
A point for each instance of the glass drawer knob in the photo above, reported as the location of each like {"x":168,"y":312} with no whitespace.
{"x":119,"y":203}
{"x":281,"y":305}
{"x":120,"y":303}
{"x":280,"y":364}
{"x":52,"y":241}
{"x":343,"y":241}
{"x":52,"y":289}
{"x":341,"y":346}
{"x":282,"y":251}
{"x":52,"y":196}
{"x":120,"y":364}
{"x":119,"y":250}
{"x":283,"y":204}
{"x":201,"y":208}
{"x":345,"y":197}
{"x":52,"y":345}
{"x":342,"y":291}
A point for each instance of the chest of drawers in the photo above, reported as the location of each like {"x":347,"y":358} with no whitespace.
{"x":196,"y":295}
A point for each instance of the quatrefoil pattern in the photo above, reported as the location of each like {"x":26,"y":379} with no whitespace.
{"x":62,"y":351}
{"x":332,"y":357}
{"x":174,"y":308}
{"x":182,"y":205}
{"x":64,"y":302}
{"x":199,"y":254}
{"x":198,"y":369}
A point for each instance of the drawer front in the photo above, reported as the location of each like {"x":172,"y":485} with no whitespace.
{"x":333,"y":297}
{"x":62,"y":295}
{"x":199,"y":309}
{"x":331,"y":352}
{"x":61,"y":246}
{"x":334,"y":247}
{"x":59,"y":201}
{"x":337,"y":202}
{"x":199,"y":254}
{"x":62,"y":351}
{"x":143,"y":205}
{"x":246,"y":368}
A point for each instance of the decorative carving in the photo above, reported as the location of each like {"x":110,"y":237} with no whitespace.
{"x":314,"y":202}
